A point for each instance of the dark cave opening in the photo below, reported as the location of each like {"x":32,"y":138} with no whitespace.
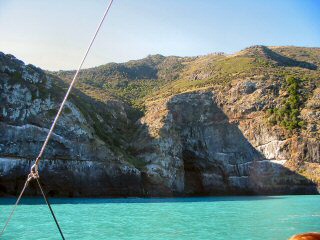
{"x":192,"y":174}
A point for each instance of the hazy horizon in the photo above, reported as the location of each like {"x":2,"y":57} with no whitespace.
{"x":54,"y":35}
{"x":136,"y":59}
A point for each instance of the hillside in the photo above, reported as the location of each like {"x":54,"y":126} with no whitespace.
{"x":130,"y":81}
{"x":247,"y":123}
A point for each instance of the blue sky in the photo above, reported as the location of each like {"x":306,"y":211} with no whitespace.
{"x":53,"y":34}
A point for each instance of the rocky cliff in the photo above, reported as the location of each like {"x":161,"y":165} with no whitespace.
{"x":167,"y":126}
{"x":82,"y":158}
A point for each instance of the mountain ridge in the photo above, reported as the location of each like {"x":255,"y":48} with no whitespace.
{"x":168,"y":126}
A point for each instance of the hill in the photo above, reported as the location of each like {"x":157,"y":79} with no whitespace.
{"x":246,"y":123}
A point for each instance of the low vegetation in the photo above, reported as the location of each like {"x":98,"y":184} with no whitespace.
{"x":154,"y":77}
{"x":288,"y":115}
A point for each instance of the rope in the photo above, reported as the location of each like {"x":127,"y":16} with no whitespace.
{"x":34,"y":169}
{"x":15,"y":206}
{"x":49,"y":205}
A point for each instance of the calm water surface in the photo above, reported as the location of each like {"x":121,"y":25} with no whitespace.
{"x":176,"y":218}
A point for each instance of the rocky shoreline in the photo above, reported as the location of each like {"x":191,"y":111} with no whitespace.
{"x":211,"y":140}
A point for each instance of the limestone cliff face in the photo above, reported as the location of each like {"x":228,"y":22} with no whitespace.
{"x":77,"y":161}
{"x":203,"y":140}
{"x":191,"y":146}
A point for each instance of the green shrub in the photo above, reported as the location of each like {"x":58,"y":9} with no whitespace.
{"x":288,"y":115}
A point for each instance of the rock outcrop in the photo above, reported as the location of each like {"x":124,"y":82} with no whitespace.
{"x":190,"y":146}
{"x":205,"y":129}
{"x":78,"y":161}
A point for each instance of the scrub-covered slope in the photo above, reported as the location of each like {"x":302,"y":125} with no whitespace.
{"x":247,"y":123}
{"x":237,"y":123}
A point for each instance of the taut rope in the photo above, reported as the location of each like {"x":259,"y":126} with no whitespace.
{"x":49,"y":205}
{"x":34,"y":169}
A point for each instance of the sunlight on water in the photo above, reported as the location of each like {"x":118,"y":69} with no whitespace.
{"x":253,"y":218}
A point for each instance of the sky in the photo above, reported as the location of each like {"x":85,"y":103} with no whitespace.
{"x":53,"y":34}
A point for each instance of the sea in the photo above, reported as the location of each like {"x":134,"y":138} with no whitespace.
{"x":216,"y":218}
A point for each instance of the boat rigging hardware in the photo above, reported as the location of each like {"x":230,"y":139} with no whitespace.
{"x":34,"y":174}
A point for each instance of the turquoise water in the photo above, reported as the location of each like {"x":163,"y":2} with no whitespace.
{"x":176,"y":218}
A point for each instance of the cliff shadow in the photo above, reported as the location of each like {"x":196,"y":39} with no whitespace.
{"x":200,"y":144}
{"x":284,"y":61}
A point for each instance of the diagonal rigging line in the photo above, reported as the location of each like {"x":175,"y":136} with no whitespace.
{"x":71,"y":85}
{"x":34,"y":173}
{"x":49,"y":205}
{"x":14,"y":207}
